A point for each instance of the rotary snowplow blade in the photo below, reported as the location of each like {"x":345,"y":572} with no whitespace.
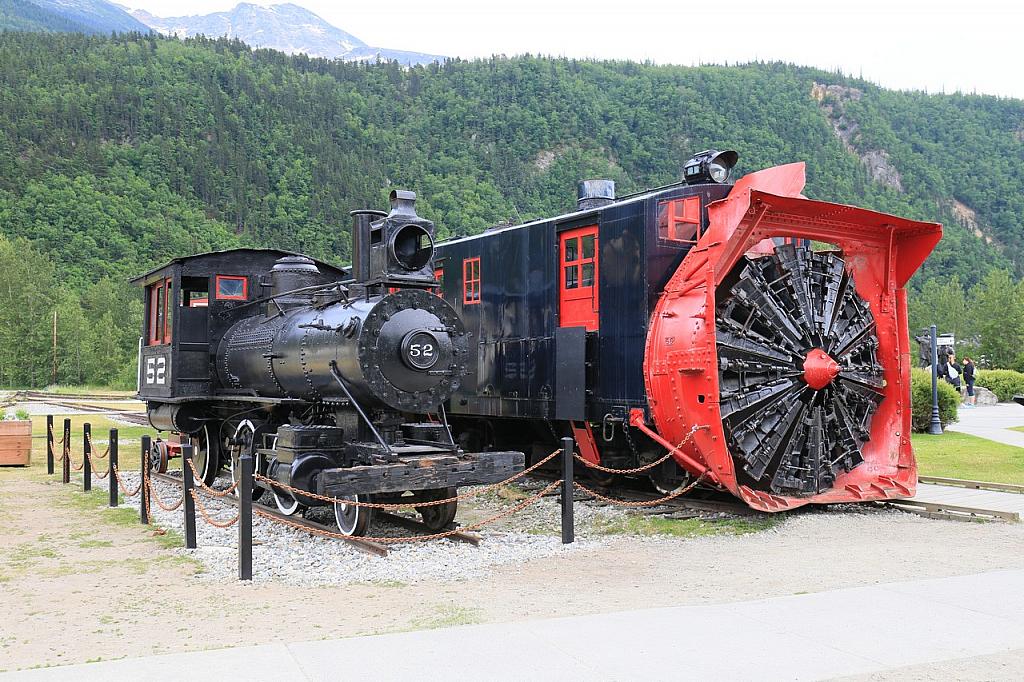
{"x":793,"y":364}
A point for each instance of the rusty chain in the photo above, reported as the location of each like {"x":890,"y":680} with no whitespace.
{"x":649,"y":503}
{"x":63,"y":450}
{"x":92,"y":448}
{"x":160,"y":503}
{"x":206,"y":515}
{"x":414,"y":538}
{"x":120,"y":484}
{"x":645,"y":467}
{"x":197,"y":480}
{"x":392,"y":506}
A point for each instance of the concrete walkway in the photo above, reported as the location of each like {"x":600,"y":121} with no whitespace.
{"x":992,"y":422}
{"x":931,"y":624}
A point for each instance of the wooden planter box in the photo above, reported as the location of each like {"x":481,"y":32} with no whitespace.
{"x":15,"y":442}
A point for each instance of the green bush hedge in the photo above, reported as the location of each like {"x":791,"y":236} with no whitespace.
{"x":1005,"y":383}
{"x":921,"y":400}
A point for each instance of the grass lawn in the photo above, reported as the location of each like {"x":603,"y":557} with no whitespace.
{"x":958,"y":455}
{"x":1017,"y":428}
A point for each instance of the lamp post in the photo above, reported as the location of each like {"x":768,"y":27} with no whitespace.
{"x":935,"y":428}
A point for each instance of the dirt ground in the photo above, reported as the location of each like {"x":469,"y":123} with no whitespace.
{"x":79,"y":583}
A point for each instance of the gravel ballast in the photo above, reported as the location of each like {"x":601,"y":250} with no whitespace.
{"x":295,"y":557}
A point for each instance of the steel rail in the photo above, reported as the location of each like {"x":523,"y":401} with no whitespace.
{"x":976,"y":485}
{"x":423,"y":529}
{"x":940,"y":510}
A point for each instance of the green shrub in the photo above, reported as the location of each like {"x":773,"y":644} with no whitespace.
{"x":921,"y":400}
{"x":1005,"y":383}
{"x":22,"y":414}
{"x":3,"y":415}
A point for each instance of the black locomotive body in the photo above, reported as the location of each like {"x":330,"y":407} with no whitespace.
{"x":333,"y":380}
{"x":559,"y":310}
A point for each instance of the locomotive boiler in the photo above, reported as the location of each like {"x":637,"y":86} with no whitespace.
{"x":757,"y":336}
{"x":333,"y":380}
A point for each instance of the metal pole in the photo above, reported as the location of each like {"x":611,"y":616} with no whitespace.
{"x":188,"y":484}
{"x":245,"y":519}
{"x":568,"y":527}
{"x":143,"y":472}
{"x":86,"y":453}
{"x":49,"y":444}
{"x":65,"y":472}
{"x":935,"y":428}
{"x":111,"y":466}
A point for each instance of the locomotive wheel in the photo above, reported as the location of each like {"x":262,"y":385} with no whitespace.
{"x":799,"y":378}
{"x":668,"y":477}
{"x":158,"y":458}
{"x":206,"y":454}
{"x":242,"y":443}
{"x":352,"y":520}
{"x":438,"y":516}
{"x":286,"y":502}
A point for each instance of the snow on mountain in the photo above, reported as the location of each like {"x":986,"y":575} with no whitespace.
{"x":286,"y":27}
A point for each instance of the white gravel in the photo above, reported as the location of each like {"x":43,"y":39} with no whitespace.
{"x":286,"y":555}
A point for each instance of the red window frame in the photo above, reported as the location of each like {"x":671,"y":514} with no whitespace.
{"x":160,"y":300}
{"x":578,"y":303}
{"x":679,"y":220}
{"x":245,"y":288}
{"x":439,"y":278}
{"x":471,"y":278}
{"x":168,"y":317}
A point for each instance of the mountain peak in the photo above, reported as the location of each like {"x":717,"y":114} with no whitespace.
{"x":286,"y":27}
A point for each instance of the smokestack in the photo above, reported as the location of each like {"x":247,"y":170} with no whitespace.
{"x":594,"y":194}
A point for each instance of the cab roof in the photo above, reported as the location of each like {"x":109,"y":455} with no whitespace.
{"x":243,"y":252}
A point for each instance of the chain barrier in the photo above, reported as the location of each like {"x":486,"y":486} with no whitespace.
{"x":414,"y":538}
{"x":212,"y":492}
{"x":393,"y":506}
{"x":121,"y":485}
{"x":206,"y":515}
{"x":160,"y":503}
{"x":92,"y":448}
{"x":645,"y":467}
{"x":649,"y":503}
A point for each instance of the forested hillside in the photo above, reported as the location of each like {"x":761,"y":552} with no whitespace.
{"x":118,"y":153}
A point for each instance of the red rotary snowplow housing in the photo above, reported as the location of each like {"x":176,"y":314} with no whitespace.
{"x":879,"y":253}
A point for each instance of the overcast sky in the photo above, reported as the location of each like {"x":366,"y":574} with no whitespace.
{"x":934,"y":45}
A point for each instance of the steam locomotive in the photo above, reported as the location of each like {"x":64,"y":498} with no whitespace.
{"x":758,"y":336}
{"x":333,"y":380}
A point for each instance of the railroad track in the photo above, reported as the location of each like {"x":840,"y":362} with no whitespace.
{"x":683,"y":507}
{"x":71,"y":402}
{"x":374,"y":548}
{"x":975,"y":485}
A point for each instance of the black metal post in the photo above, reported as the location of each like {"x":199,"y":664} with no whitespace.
{"x":568,"y":527}
{"x":143,"y":472}
{"x":935,"y":427}
{"x":65,"y":472}
{"x":49,"y":444}
{"x":188,"y":484}
{"x":111,"y":466}
{"x":86,"y":454}
{"x":245,"y":519}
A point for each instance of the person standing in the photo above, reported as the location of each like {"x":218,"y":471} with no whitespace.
{"x":953,"y":370}
{"x":968,"y":372}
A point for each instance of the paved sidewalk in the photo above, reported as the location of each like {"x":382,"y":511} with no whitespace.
{"x":992,"y":422}
{"x":932,"y":624}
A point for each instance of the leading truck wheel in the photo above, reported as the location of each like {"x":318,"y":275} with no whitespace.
{"x":351,"y":519}
{"x":244,"y":441}
{"x":438,"y":516}
{"x":799,"y":380}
